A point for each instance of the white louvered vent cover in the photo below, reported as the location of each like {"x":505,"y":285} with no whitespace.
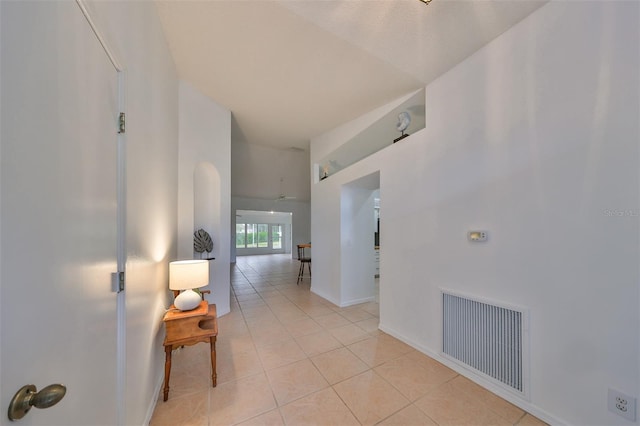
{"x":485,"y":337}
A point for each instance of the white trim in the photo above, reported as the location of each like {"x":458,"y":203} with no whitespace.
{"x":357,"y":301}
{"x":323,"y":295}
{"x":121,"y":230}
{"x":107,"y":49}
{"x":480,"y":380}
{"x":154,"y":401}
{"x":121,"y":317}
{"x":486,"y":300}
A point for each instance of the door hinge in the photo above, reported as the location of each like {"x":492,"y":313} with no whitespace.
{"x":117,"y":282}
{"x":121,"y":123}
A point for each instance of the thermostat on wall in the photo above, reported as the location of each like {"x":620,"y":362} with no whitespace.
{"x":477,"y":236}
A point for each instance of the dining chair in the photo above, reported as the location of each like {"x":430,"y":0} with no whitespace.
{"x":304,"y":259}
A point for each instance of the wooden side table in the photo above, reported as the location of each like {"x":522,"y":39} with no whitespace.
{"x":185,"y":328}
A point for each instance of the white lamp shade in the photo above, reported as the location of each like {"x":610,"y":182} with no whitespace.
{"x":188,"y":274}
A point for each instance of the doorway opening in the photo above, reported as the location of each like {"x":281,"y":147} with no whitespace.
{"x":262,"y":232}
{"x":360,"y":239}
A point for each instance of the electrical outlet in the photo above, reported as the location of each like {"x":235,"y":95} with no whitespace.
{"x":621,"y":404}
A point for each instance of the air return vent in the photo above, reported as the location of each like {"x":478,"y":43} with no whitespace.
{"x":486,"y":338}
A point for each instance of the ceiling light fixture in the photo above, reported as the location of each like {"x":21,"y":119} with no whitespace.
{"x":425,"y":1}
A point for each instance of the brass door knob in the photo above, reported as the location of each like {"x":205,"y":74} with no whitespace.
{"x":28,"y":396}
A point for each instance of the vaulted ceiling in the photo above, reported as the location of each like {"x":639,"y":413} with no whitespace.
{"x":291,"y":70}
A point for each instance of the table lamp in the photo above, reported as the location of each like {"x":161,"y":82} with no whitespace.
{"x":186,"y":275}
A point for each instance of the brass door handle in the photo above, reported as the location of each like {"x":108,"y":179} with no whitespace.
{"x":28,"y":396}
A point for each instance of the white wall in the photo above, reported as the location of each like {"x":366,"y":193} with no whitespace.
{"x":327,"y":208}
{"x":300,"y":219}
{"x":257,"y":171}
{"x":535,"y":139}
{"x":204,"y":195}
{"x":152,"y":147}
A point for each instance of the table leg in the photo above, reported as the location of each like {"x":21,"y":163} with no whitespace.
{"x":167,"y":370}
{"x":214,"y":375}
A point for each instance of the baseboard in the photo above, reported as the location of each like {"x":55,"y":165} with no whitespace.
{"x":357,"y":301}
{"x":222,"y":313}
{"x":154,"y":400}
{"x":515,"y":400}
{"x":340,"y":303}
{"x":324,"y":296}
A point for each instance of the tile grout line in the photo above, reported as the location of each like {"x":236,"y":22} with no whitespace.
{"x":309,"y":357}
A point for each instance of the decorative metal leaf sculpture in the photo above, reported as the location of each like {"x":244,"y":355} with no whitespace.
{"x":202,"y":241}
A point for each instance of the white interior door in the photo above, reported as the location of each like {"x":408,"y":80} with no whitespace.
{"x":58,"y":213}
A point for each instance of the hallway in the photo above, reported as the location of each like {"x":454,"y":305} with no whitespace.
{"x":289,"y":357}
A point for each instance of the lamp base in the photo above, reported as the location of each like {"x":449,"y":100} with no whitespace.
{"x":187,"y":300}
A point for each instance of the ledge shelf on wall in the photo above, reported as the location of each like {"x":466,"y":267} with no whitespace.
{"x":377,"y":136}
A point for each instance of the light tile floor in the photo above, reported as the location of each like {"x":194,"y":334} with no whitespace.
{"x":289,"y":357}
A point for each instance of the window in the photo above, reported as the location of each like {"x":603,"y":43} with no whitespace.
{"x":276,"y":237}
{"x":240,"y":235}
{"x":252,"y":237}
{"x":259,"y":235}
{"x":263,"y":235}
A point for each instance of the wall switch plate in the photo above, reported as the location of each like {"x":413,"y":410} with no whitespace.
{"x":477,"y":236}
{"x":622,"y":404}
